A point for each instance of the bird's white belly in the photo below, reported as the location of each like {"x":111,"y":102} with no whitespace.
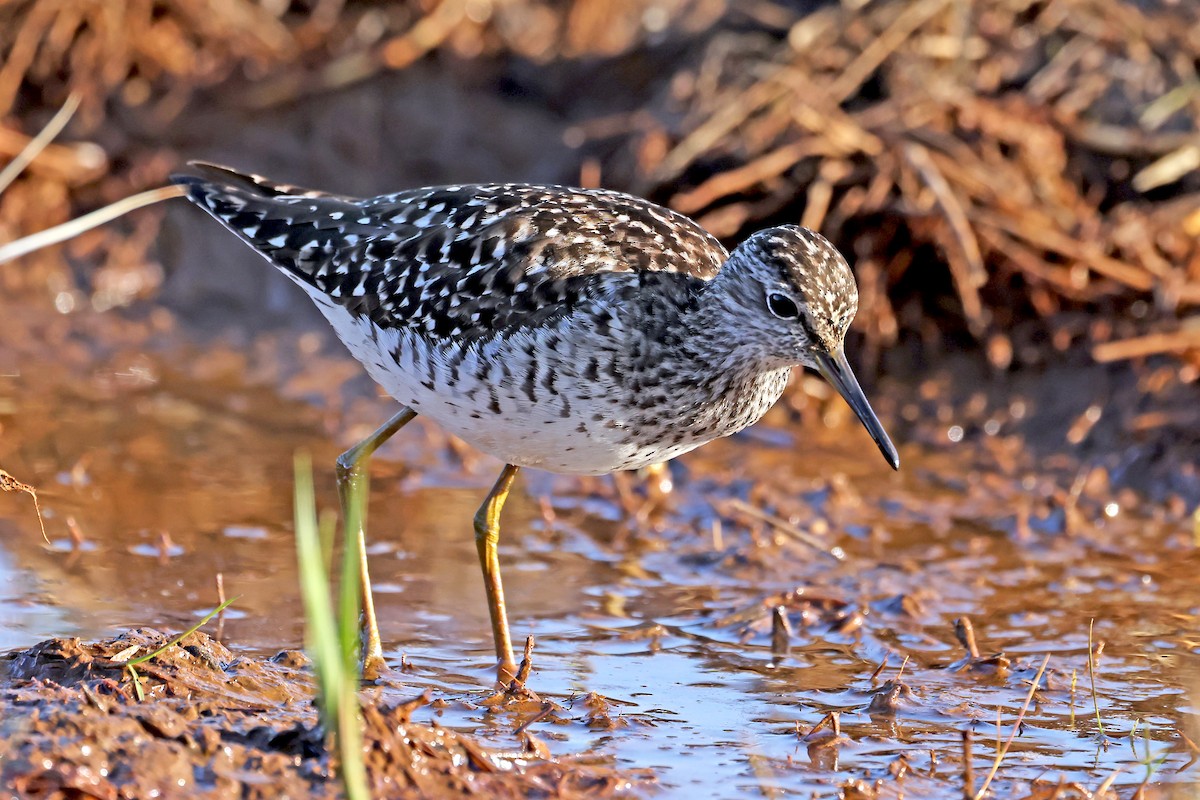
{"x":494,"y":415}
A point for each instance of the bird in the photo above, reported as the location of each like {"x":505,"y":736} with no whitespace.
{"x":579,"y":331}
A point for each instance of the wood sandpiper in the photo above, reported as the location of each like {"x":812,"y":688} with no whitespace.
{"x":573,"y":330}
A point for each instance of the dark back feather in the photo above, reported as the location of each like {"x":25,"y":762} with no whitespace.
{"x":459,"y":261}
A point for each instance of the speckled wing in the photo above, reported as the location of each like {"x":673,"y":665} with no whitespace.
{"x":460,"y":261}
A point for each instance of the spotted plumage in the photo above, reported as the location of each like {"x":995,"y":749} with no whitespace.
{"x":458,"y":261}
{"x":575,"y":330}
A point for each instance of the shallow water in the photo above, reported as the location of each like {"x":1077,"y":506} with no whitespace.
{"x":174,"y":466}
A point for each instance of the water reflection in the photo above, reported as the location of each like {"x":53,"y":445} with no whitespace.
{"x":25,"y":614}
{"x":669,"y":620}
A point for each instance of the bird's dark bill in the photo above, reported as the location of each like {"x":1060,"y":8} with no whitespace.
{"x":834,"y":368}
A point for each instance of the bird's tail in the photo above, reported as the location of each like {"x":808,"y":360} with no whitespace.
{"x":293,"y":227}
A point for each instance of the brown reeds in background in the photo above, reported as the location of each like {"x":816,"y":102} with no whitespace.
{"x":985,"y":163}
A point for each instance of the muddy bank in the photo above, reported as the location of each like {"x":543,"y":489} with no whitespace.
{"x":215,"y":724}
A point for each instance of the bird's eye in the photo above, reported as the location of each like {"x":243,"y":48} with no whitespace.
{"x":782,"y":306}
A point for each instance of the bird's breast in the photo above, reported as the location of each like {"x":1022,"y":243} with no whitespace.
{"x":555,"y":399}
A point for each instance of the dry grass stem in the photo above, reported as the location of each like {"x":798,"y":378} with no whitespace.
{"x":38,"y":143}
{"x":71,"y":229}
{"x":10,"y":484}
{"x":1002,"y":750}
{"x":1092,"y":656}
{"x":738,"y":507}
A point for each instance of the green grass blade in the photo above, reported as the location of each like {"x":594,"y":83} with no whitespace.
{"x":133,"y":662}
{"x":322,"y":636}
{"x":129,"y":665}
{"x":327,"y":528}
{"x":350,"y":744}
{"x":350,"y":600}
{"x":350,"y":741}
{"x":329,"y":629}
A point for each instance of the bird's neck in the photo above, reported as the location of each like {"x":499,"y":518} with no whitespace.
{"x":731,"y":384}
{"x":713,"y":335}
{"x":720,"y":348}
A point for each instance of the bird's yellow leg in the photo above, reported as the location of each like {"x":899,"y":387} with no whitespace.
{"x":487,"y":539}
{"x":352,"y":480}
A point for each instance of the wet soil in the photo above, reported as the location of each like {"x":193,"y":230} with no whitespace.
{"x":212,"y":724}
{"x":698,"y":645}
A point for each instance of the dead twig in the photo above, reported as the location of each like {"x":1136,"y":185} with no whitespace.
{"x":10,"y":484}
{"x":905,"y":25}
{"x":968,"y":765}
{"x":1151,"y":344}
{"x":1002,"y":750}
{"x":965,"y":260}
{"x":740,"y":507}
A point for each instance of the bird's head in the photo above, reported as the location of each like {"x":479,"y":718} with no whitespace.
{"x":794,"y":297}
